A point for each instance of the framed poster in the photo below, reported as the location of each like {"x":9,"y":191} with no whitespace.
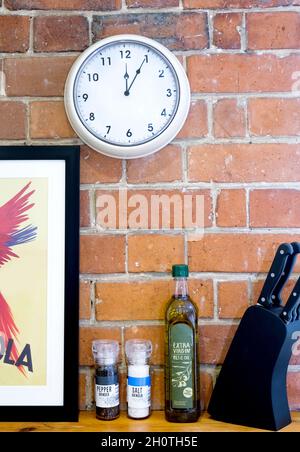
{"x":39,"y":268}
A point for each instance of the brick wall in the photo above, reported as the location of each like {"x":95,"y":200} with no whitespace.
{"x":240,"y":148}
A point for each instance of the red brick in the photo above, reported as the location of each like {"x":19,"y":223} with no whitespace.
{"x":166,"y":215}
{"x":279,"y":30}
{"x":196,"y":123}
{"x":96,"y":168}
{"x":90,"y":391}
{"x":214,"y":342}
{"x":49,"y":120}
{"x":36,"y":76}
{"x":201,"y":292}
{"x":85,"y":300}
{"x":123,"y":390}
{"x":151,"y":3}
{"x":154,"y":252}
{"x":94,"y":5}
{"x":60,"y":34}
{"x":293,"y":389}
{"x":256,"y":288}
{"x":238,"y":73}
{"x":231,"y":208}
{"x":14,"y":33}
{"x":163,"y":166}
{"x":235,"y":252}
{"x":233,"y":299}
{"x":102,"y":254}
{"x":153,"y":209}
{"x":274,"y":116}
{"x":230,"y":163}
{"x":147,"y":300}
{"x":110,"y":219}
{"x":213,"y":4}
{"x":295,"y":359}
{"x":87,"y":335}
{"x":275,"y":208}
{"x":139,"y":300}
{"x":226,"y":30}
{"x":177,"y":31}
{"x":82,"y":391}
{"x":12,"y":124}
{"x":206,"y":388}
{"x":153,"y":333}
{"x":84,"y":208}
{"x":157,"y":389}
{"x":229,"y":119}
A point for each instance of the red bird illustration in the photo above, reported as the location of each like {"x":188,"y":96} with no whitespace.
{"x":12,"y":215}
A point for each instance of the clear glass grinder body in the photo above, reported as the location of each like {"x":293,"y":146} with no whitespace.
{"x":138,"y":354}
{"x":106,"y":355}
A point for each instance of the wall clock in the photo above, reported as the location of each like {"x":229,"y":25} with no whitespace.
{"x":127,"y":96}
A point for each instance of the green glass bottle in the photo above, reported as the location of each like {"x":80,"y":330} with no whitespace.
{"x":182,"y":402}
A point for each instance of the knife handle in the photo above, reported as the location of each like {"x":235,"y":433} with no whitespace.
{"x":284,"y":251}
{"x":289,"y":311}
{"x":289,"y":265}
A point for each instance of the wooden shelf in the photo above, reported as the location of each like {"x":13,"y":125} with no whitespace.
{"x":155,"y":423}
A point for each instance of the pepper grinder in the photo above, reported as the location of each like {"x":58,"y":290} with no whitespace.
{"x":106,"y":355}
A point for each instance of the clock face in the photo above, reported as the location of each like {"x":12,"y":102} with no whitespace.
{"x":126,"y":93}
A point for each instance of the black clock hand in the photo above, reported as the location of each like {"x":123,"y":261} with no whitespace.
{"x":126,"y":76}
{"x":138,"y":71}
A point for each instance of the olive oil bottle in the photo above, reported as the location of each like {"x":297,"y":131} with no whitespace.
{"x":182,"y":366}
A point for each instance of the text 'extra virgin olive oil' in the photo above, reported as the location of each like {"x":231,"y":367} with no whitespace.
{"x":182,"y":364}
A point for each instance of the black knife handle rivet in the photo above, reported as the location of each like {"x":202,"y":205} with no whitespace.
{"x":272,"y":275}
{"x":263,"y":299}
{"x":281,"y":251}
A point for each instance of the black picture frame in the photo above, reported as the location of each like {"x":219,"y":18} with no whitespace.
{"x":68,"y":410}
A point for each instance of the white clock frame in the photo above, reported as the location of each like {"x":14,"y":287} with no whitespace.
{"x":139,"y":150}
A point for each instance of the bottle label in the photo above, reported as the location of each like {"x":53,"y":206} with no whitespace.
{"x":139,"y":392}
{"x":181,"y":366}
{"x":107,"y":392}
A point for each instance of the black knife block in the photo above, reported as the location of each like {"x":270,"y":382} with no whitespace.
{"x":251,"y":387}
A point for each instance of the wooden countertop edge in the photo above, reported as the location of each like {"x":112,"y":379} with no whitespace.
{"x":155,"y":423}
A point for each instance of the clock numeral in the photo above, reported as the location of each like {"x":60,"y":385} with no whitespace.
{"x":169,"y":92}
{"x":125,"y":54}
{"x":164,"y":112}
{"x":161,"y":73}
{"x":146,"y":59}
{"x":129,"y":133}
{"x":108,"y":129}
{"x":150,"y":127}
{"x":93,"y":77}
{"x":105,"y":61}
{"x":85,"y":97}
{"x":92,"y":116}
